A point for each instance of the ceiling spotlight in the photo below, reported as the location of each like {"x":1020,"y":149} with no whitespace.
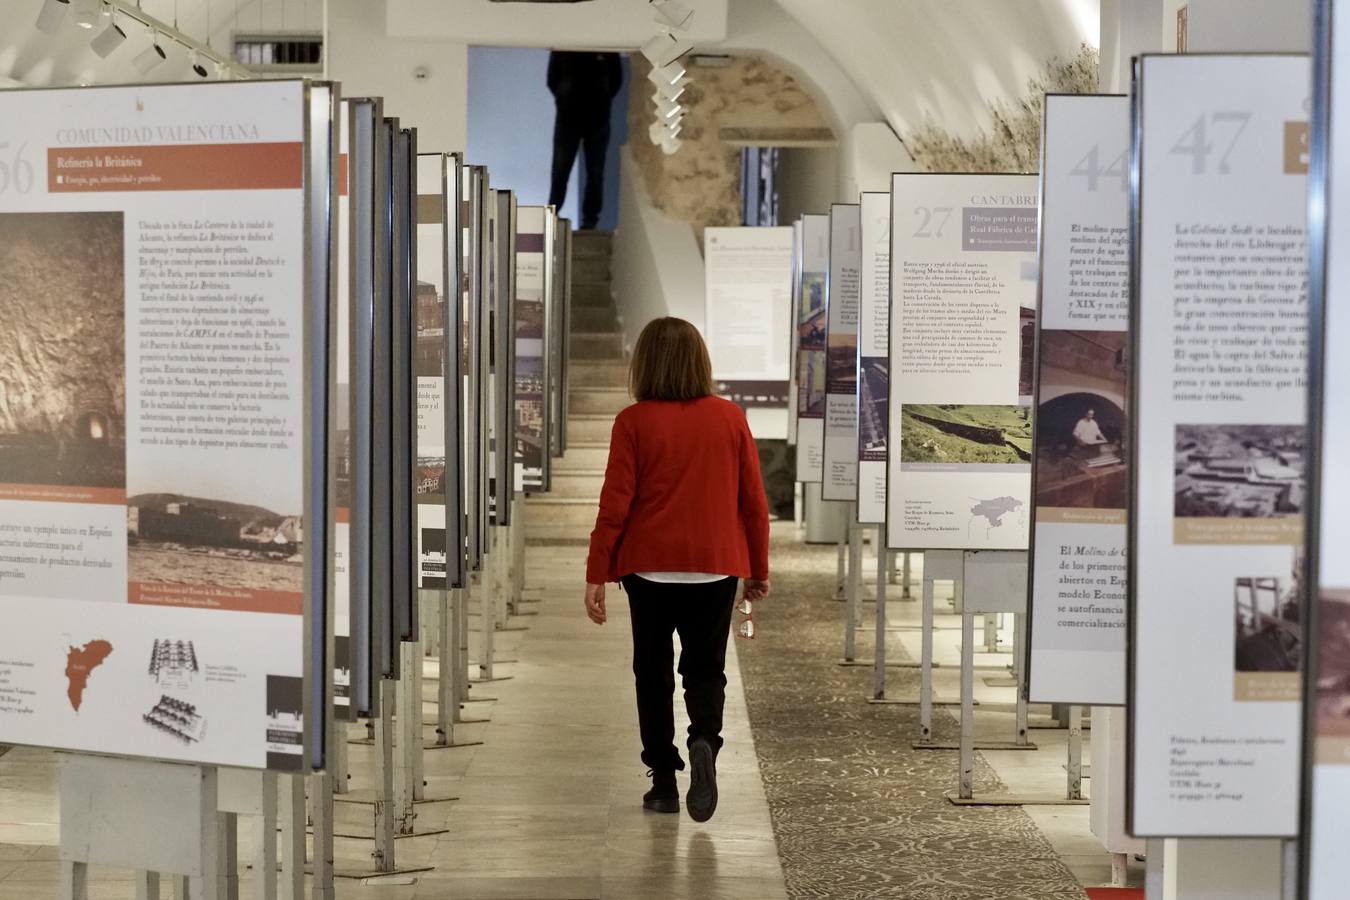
{"x":53,"y":11}
{"x":197,"y":67}
{"x":672,"y":13}
{"x":87,"y":12}
{"x":665,"y":49}
{"x":669,"y":74}
{"x":151,"y":56}
{"x":109,"y":39}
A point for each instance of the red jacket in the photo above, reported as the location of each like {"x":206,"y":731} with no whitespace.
{"x":682,"y":494}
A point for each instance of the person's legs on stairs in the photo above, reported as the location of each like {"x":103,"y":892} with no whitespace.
{"x":593,"y":192}
{"x":566,"y":142}
{"x":653,"y":673}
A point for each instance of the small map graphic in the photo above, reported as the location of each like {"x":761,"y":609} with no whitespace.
{"x":993,"y":511}
{"x":80,"y":661}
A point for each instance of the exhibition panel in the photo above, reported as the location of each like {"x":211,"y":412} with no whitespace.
{"x":533,"y":251}
{"x":1217,"y":438}
{"x":841,"y":355}
{"x":384,"y":634}
{"x":403,"y":393}
{"x":472,"y":358}
{"x":503,"y":356}
{"x":1078,"y":515}
{"x":748,"y":282}
{"x":365,"y":200}
{"x":167,"y":447}
{"x":812,"y":270}
{"x":342,"y":428}
{"x":796,"y":299}
{"x":874,"y":312}
{"x":437,"y":485}
{"x":963,"y":307}
{"x":1326,"y":753}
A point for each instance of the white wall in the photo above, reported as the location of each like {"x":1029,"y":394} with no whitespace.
{"x":1238,"y":25}
{"x":871,"y":154}
{"x":658,"y":267}
{"x":367,"y":63}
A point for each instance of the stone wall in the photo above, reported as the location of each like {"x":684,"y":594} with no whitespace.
{"x":701,"y":183}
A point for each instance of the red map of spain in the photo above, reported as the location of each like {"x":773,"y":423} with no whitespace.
{"x":80,"y":661}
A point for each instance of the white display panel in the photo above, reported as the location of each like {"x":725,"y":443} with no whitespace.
{"x":812,"y":300}
{"x":1080,"y":477}
{"x":748,"y":323}
{"x":159,"y":550}
{"x":1217,"y":448}
{"x":841,"y":355}
{"x":796,"y":305}
{"x":874,"y":338}
{"x":963,"y":297}
{"x":532,"y":223}
{"x":429,"y":367}
{"x":342,"y":513}
{"x":1325,"y":811}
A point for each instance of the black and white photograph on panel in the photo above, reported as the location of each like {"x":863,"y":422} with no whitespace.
{"x":1239,"y":471}
{"x":63,"y":351}
{"x":1268,"y":634}
{"x":1080,"y":457}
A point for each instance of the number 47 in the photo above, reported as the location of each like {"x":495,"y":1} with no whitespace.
{"x":1196,"y":141}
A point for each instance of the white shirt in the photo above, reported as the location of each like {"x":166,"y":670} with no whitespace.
{"x":1087,"y":431}
{"x":681,"y":577}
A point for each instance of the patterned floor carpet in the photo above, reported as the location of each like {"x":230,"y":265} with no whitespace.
{"x":856,"y":811}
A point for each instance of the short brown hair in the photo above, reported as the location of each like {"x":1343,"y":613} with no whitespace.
{"x":670,"y":362}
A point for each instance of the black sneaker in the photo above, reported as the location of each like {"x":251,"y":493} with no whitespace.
{"x":702,"y":797}
{"x":664,"y":797}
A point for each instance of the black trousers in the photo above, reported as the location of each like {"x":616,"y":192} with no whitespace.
{"x":588,"y":132}
{"x":701,"y":613}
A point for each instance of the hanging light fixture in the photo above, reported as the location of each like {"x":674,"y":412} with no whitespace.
{"x":49,"y":18}
{"x":668,"y":74}
{"x":665,"y":49}
{"x":109,"y":39}
{"x":197,"y":67}
{"x":672,"y":13}
{"x":673,"y":91}
{"x":151,"y":56}
{"x":87,"y":12}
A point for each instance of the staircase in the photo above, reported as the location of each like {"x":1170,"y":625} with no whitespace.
{"x":598,"y":376}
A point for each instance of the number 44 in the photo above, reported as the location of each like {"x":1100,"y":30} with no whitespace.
{"x":1090,"y":167}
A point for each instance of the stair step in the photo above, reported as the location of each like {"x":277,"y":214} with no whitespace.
{"x":557,"y":533}
{"x":588,"y":244}
{"x":592,"y":296}
{"x":588,"y":429}
{"x":591,"y":270}
{"x":592,"y":374}
{"x":597,"y":401}
{"x":578,"y":484}
{"x":576,"y":512}
{"x":583,"y":457}
{"x":593,"y":319}
{"x":596,"y":346}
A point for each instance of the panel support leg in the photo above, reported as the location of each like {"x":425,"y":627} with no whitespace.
{"x":879,"y":665}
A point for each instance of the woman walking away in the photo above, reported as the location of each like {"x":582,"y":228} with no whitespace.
{"x":682,"y":517}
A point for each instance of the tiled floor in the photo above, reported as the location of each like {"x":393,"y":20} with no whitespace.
{"x":549,"y":804}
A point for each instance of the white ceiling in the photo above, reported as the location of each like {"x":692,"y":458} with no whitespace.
{"x":945,"y":58}
{"x":28,"y":56}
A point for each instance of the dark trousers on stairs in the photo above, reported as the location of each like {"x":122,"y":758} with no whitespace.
{"x":701,"y":614}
